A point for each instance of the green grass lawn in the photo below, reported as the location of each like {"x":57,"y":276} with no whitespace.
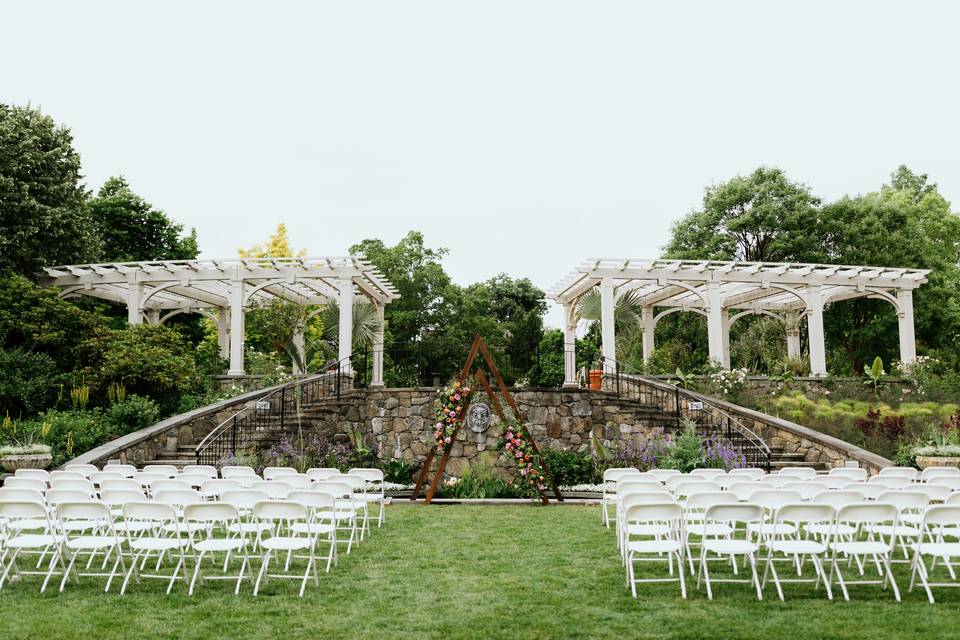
{"x":473,"y":572}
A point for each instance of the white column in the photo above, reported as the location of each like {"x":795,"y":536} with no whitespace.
{"x":715,"y":325}
{"x":153,"y":317}
{"x":607,"y":331}
{"x":236,"y":328}
{"x":223,"y":332}
{"x":725,"y":319}
{"x":908,"y":343}
{"x":569,"y":346}
{"x":345,"y":335}
{"x":818,"y":353}
{"x":376,"y":379}
{"x":299,"y":348}
{"x":649,"y":328}
{"x":134,"y":303}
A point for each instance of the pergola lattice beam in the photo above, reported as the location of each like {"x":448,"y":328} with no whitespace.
{"x":715,"y":288}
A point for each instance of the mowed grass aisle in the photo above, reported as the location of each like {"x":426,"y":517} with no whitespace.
{"x":472,"y":572}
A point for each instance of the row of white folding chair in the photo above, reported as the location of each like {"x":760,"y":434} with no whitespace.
{"x":835,"y":520}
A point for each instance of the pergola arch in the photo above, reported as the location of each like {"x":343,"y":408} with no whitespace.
{"x":717,"y":289}
{"x":223,"y":289}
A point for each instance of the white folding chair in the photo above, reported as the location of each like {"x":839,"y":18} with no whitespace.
{"x":247,"y":525}
{"x":84,"y":469}
{"x":951,"y":482}
{"x":658,"y":528}
{"x":199,"y":469}
{"x":772,"y":500}
{"x":628,"y":484}
{"x":211,"y":489}
{"x":274,"y":473}
{"x":695,"y":523}
{"x":794,"y":549}
{"x":24,"y":519}
{"x":902,"y":472}
{"x":730,"y":515}
{"x":632,"y":498}
{"x":299,"y":481}
{"x":374,"y":490}
{"x":662,"y":474}
{"x":195,"y":480}
{"x":346,"y":508}
{"x":283,"y":536}
{"x":159,"y":486}
{"x":36,"y":474}
{"x":236,"y":470}
{"x":153,"y":528}
{"x":775,"y":481}
{"x":911,"y":506}
{"x":322,"y":474}
{"x":864,"y":516}
{"x":66,"y":475}
{"x":938,"y":472}
{"x":98,"y":476}
{"x":835,"y":482}
{"x":708,"y":474}
{"x":211,"y":518}
{"x":120,"y":484}
{"x":275,"y":489}
{"x":126,"y":470}
{"x":167,"y":470}
{"x":838,"y":530}
{"x":360,"y":502}
{"x":806,"y":489}
{"x":856,"y":474}
{"x":936,"y":492}
{"x":802,"y":473}
{"x":75,"y":485}
{"x":891,"y":481}
{"x":116,"y":499}
{"x":146,"y":480}
{"x":936,"y":519}
{"x":87,"y":527}
{"x":20,"y":482}
{"x":608,"y":497}
{"x":685,"y":489}
{"x":320,"y":508}
{"x":751,"y":473}
{"x":869,"y":490}
{"x":743,"y":490}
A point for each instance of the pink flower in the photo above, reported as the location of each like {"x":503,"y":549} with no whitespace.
{"x":509,"y":435}
{"x":519,"y":455}
{"x":447,"y":439}
{"x":456,"y":397}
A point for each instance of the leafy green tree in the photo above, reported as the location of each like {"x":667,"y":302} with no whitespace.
{"x":547,"y":370}
{"x":131,"y":229}
{"x":42,"y":218}
{"x":762,"y":217}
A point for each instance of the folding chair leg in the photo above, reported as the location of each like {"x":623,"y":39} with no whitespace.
{"x":893,"y":581}
{"x":196,"y":573}
{"x":264,"y":564}
{"x":756,"y":580}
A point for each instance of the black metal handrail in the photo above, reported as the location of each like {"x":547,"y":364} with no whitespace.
{"x":711,"y":420}
{"x":259,"y":421}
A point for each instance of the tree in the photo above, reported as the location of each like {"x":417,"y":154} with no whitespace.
{"x":278,"y":246}
{"x":131,"y":229}
{"x":763,"y":217}
{"x":627,"y":317}
{"x":42,"y":218}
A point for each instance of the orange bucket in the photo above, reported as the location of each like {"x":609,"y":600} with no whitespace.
{"x":596,"y":378}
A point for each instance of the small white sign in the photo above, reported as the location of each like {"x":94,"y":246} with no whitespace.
{"x":262,"y":405}
{"x":695,"y":405}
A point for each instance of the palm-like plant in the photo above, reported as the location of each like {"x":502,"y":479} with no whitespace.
{"x":366,"y":323}
{"x":627,"y":315}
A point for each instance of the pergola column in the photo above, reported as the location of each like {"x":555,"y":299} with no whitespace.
{"x":153,"y":317}
{"x":223,"y":332}
{"x":792,"y":322}
{"x":818,"y":353}
{"x":607,"y":331}
{"x":569,"y":346}
{"x":725,"y":320}
{"x":377,"y":377}
{"x":236,"y":328}
{"x":135,"y":302}
{"x":908,"y":343}
{"x":716,"y":327}
{"x":345,"y":334}
{"x":649,"y":327}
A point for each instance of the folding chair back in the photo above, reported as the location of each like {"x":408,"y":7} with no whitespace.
{"x":904,"y":472}
{"x":835,"y":483}
{"x":167,"y":470}
{"x":638,"y":486}
{"x":370,"y":475}
{"x":121,"y":497}
{"x":869,"y":490}
{"x":299,"y":481}
{"x":752,"y":473}
{"x":120,"y":484}
{"x":36,"y":474}
{"x":775,"y":481}
{"x":734,"y":513}
{"x":687,"y":489}
{"x":244,"y":499}
{"x":178,"y":497}
{"x":321,"y":474}
{"x":199,"y":469}
{"x":663,"y":474}
{"x":806,"y":489}
{"x":803,"y":473}
{"x":127,"y":470}
{"x":938,"y":472}
{"x":22,"y":510}
{"x":169,"y":485}
{"x":612,"y":474}
{"x":210,"y":512}
{"x":56,"y":497}
{"x":891,"y":481}
{"x":645,"y":498}
{"x":867,"y":513}
{"x":708,"y":474}
{"x":214,"y":488}
{"x":773,"y":499}
{"x":743,"y":490}
{"x":285,"y":510}
{"x":84,"y":469}
{"x":805,"y":513}
{"x":276,"y":489}
{"x":936,"y":492}
{"x":272,"y":473}
{"x":951,"y":482}
{"x":25,"y":483}
{"x":15,"y":494}
{"x":854,"y":473}
{"x":837,"y":499}
{"x":236,"y":470}
{"x":75,"y":485}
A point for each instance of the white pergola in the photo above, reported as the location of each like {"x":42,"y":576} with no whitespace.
{"x":223,"y":289}
{"x":723,"y":292}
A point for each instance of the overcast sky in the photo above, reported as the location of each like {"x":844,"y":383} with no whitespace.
{"x":523,"y":136}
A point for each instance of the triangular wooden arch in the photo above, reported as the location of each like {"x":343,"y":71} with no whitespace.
{"x":479,"y":347}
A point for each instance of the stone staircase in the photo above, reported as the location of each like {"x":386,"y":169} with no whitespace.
{"x":780,"y":459}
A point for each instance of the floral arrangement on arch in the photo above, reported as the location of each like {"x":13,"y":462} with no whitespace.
{"x":514,"y":442}
{"x":452,"y":402}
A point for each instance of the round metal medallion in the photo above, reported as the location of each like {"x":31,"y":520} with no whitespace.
{"x":478,"y":417}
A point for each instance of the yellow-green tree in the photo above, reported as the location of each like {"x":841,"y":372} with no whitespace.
{"x":278,"y":246}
